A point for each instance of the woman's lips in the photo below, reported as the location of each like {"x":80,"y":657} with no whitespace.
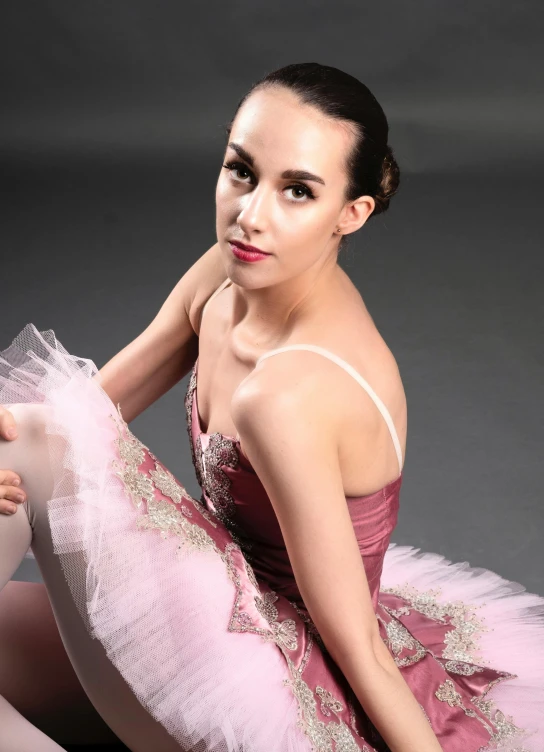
{"x":244,"y":253}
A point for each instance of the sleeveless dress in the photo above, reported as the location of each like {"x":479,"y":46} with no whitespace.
{"x":197,"y":606}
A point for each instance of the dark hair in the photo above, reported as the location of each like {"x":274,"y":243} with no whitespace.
{"x":371,"y":166}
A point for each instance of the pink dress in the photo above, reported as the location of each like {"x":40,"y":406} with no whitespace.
{"x":197,"y":606}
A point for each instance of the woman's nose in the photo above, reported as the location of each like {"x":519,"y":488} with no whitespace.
{"x":255,"y":212}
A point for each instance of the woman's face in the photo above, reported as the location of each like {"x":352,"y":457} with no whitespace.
{"x":291,"y":217}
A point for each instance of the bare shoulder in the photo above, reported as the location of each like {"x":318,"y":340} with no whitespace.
{"x":179,"y":314}
{"x":200,"y":281}
{"x":282,"y":400}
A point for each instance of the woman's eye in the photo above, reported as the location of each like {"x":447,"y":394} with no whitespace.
{"x":303,"y":191}
{"x":238,"y":167}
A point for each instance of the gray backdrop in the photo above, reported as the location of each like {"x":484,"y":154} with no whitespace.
{"x":111,"y":139}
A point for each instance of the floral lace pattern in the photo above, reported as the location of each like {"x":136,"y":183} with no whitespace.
{"x":461,"y":641}
{"x":209,"y":462}
{"x":399,"y":639}
{"x":506,"y":730}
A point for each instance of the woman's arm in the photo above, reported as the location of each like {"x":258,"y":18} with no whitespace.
{"x":151,"y":364}
{"x":290,"y":435}
{"x":164,"y":352}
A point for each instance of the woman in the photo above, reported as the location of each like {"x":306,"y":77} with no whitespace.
{"x":269,"y":615}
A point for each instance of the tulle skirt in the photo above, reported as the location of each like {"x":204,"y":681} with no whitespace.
{"x":157,"y":580}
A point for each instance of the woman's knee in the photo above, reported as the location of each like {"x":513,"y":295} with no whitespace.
{"x":31,"y":420}
{"x":29,"y":455}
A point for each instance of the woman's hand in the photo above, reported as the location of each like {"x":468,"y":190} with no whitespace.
{"x":10,"y":493}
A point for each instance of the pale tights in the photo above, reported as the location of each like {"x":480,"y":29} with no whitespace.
{"x":52,"y":672}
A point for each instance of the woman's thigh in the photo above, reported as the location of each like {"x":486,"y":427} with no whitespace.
{"x":36,"y":675}
{"x":28,"y":455}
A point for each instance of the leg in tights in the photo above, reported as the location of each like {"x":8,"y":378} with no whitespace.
{"x":36,"y":676}
{"x":111,"y":696}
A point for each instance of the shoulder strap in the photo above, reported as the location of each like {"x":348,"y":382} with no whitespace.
{"x":357,"y":376}
{"x":222,"y":286}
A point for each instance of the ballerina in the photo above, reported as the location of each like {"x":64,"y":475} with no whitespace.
{"x":272,"y":614}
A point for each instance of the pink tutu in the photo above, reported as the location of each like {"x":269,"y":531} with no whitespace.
{"x":220,"y":654}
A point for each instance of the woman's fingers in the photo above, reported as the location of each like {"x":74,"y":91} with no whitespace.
{"x":8,"y":426}
{"x":10,"y":492}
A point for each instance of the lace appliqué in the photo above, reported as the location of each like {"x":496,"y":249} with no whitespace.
{"x":284,"y":631}
{"x":463,"y":669}
{"x":399,"y":639}
{"x":461,"y":641}
{"x":321,"y":734}
{"x":161,"y":514}
{"x":506,"y":730}
{"x":313,"y":635}
{"x":212,"y":479}
{"x":446,"y":692}
{"x":328,"y":702}
{"x":219,"y":452}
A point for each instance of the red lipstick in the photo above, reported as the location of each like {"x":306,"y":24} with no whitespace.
{"x":246,"y":252}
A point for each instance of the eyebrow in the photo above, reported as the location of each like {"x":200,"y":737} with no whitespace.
{"x":288,"y":174}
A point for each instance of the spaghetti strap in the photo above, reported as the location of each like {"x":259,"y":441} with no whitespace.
{"x":357,"y":376}
{"x":223,"y":284}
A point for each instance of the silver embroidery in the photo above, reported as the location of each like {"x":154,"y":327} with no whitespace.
{"x":219,"y":452}
{"x":284,"y":631}
{"x":139,"y":486}
{"x":398,"y":612}
{"x":307,"y":653}
{"x":208,"y":463}
{"x":312,"y":635}
{"x":399,"y":639}
{"x":311,"y":628}
{"x":167,"y":483}
{"x":320,"y":734}
{"x":265,"y":606}
{"x":446,"y":692}
{"x":461,"y":641}
{"x":328,"y":701}
{"x":506,"y":730}
{"x":464,"y":669}
{"x":161,"y":515}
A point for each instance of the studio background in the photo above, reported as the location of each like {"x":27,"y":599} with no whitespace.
{"x":111,"y":141}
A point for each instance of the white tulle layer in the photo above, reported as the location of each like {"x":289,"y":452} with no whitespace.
{"x":513,"y":621}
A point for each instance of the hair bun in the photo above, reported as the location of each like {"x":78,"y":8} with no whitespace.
{"x":388,"y":183}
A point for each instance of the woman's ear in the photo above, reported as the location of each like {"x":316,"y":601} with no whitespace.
{"x":355,"y":214}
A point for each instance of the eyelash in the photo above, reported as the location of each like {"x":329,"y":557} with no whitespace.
{"x":307,"y":191}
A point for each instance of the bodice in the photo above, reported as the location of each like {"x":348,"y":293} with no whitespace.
{"x":232,"y":491}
